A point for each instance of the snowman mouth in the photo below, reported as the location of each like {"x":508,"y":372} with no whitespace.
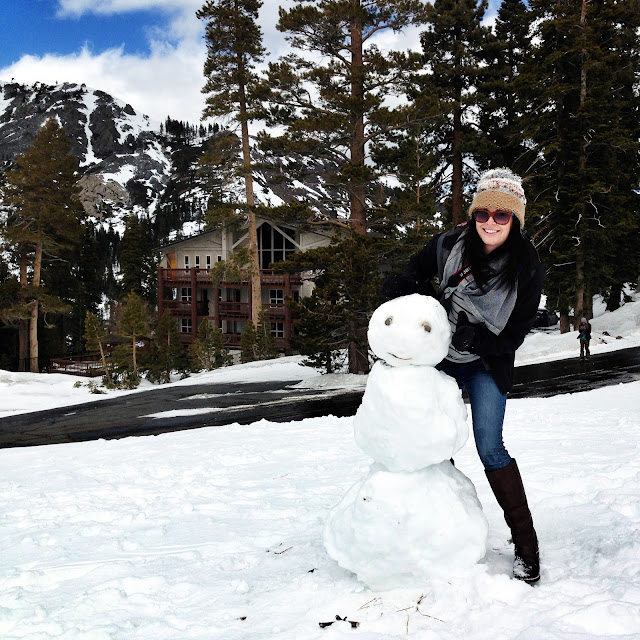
{"x":398,"y":357}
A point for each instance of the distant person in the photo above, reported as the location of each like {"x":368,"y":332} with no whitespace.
{"x":491,"y":279}
{"x":584,"y":335}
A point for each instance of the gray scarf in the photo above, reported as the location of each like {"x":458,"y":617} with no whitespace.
{"x":493,"y":304}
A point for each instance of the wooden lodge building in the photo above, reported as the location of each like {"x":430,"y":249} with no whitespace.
{"x":186,"y":290}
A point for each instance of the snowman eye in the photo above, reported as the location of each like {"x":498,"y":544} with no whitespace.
{"x":426,"y":326}
{"x":388,"y":321}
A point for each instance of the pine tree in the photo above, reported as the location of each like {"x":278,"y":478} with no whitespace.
{"x":351,"y":79}
{"x":234,"y":47}
{"x":266,"y":347}
{"x":500,"y":105}
{"x":454,"y":52}
{"x":167,"y":352}
{"x":95,"y":337}
{"x":208,"y":351}
{"x":336,"y":102}
{"x":45,"y":218}
{"x":136,"y":259}
{"x":584,"y":133}
{"x":134,"y":324}
{"x":347,"y":280}
{"x":248,"y":343}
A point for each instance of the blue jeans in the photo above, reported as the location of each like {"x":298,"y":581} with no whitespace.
{"x":487,"y":410}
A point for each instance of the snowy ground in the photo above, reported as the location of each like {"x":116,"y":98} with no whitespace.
{"x":216,"y":533}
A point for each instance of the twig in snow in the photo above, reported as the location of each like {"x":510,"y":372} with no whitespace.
{"x":366,"y":604}
{"x":279,"y":553}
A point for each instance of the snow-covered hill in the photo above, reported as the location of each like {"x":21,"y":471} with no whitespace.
{"x":131,"y":164}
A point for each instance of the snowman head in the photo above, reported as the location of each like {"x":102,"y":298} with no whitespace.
{"x":411,"y":330}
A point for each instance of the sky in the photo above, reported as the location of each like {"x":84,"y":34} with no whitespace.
{"x":219,"y":532}
{"x":149,"y":53}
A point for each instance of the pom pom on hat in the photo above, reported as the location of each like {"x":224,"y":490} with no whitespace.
{"x":500,"y":189}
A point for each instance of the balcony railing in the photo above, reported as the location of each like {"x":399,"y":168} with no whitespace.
{"x":234,"y":310}
{"x":268,"y":278}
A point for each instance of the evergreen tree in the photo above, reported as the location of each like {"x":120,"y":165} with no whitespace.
{"x":583,"y":125}
{"x":248,"y":343}
{"x":136,"y":259}
{"x":167,"y":352}
{"x":133,"y":324}
{"x":266,"y":347}
{"x":95,"y":336}
{"x":500,"y":106}
{"x":336,"y":102}
{"x":347,"y":281}
{"x":351,"y":80}
{"x":45,"y":219}
{"x":454,"y":54}
{"x":208,"y":351}
{"x":234,"y":47}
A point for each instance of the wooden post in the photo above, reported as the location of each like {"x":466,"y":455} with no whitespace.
{"x":160,"y":292}
{"x":194,"y":305}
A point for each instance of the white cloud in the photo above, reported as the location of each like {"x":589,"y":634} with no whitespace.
{"x":167,"y":82}
{"x":78,"y":8}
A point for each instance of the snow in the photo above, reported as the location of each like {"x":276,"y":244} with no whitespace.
{"x":90,"y":100}
{"x":217,"y":532}
{"x":124,"y":174}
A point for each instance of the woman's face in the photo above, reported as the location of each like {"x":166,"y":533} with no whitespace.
{"x":491,"y":233}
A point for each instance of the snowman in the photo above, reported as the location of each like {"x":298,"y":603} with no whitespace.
{"x":414,"y":515}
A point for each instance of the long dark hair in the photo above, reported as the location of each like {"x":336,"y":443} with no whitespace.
{"x":483,"y":264}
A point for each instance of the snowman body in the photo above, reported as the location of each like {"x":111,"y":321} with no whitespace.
{"x":414,"y":515}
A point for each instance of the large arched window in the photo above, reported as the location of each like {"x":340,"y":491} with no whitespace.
{"x":273,"y":246}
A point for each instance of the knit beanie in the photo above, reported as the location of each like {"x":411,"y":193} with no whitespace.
{"x":500,"y":189}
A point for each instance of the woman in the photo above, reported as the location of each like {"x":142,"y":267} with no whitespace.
{"x":490,"y":278}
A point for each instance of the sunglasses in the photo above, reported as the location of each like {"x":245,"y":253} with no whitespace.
{"x":499,"y":217}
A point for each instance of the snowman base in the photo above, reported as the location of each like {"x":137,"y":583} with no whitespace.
{"x":397,"y":528}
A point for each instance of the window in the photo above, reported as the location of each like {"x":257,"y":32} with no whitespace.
{"x":273,"y":246}
{"x":219,"y":258}
{"x":185,"y":325}
{"x":186,"y":262}
{"x":277,"y":329}
{"x":276,"y":296}
{"x":185,"y":294}
{"x":208,"y":262}
{"x":235,"y":327}
{"x":197,"y":262}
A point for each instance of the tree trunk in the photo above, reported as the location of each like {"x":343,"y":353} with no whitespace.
{"x":33,"y":318}
{"x":358,"y":356}
{"x":256,"y":285}
{"x":107,"y":376}
{"x":358,"y":193}
{"x":33,"y":337}
{"x":458,"y":214}
{"x":23,"y":326}
{"x":134,"y":356}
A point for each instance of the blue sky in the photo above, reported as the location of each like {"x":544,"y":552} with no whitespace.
{"x":35,"y":28}
{"x":149,"y":53}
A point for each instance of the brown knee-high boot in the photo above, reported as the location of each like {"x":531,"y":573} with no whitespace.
{"x":508,"y":489}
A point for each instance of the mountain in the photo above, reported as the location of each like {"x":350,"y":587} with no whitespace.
{"x":130,"y":164}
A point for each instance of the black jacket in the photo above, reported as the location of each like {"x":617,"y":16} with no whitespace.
{"x":498,"y":353}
